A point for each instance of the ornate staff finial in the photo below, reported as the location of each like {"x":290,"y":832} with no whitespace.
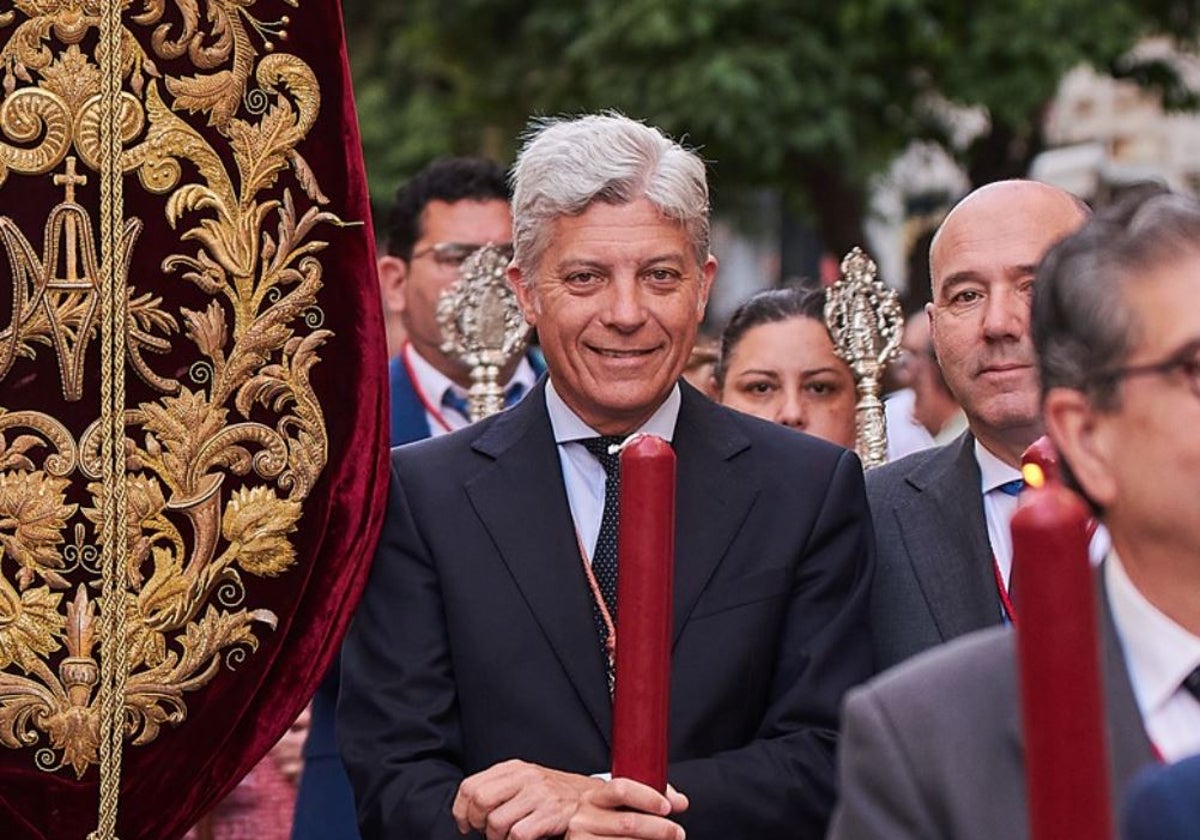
{"x":482,"y":326}
{"x":864,"y":319}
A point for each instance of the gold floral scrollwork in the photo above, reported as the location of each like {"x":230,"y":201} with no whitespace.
{"x":218,"y":462}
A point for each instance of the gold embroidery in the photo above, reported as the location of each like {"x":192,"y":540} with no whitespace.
{"x":217,"y":465}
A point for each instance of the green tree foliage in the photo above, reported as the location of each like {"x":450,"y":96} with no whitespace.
{"x":810,"y":98}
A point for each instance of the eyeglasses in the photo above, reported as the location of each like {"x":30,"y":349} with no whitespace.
{"x":1186,"y":359}
{"x":454,"y":254}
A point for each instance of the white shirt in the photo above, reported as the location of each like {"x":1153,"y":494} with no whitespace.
{"x":583,"y":475}
{"x":999,"y":507}
{"x":1159,"y":654}
{"x":432,"y":385}
{"x":904,"y":433}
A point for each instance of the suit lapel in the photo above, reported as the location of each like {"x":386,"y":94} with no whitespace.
{"x":1129,"y":747}
{"x":945,"y":534}
{"x":1128,"y":744}
{"x":408,"y":420}
{"x":539,"y":545}
{"x":712,"y":498}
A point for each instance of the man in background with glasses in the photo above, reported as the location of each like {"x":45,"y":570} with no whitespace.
{"x":932,"y":749}
{"x":449,"y":209}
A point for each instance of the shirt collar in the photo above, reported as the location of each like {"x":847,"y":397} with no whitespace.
{"x":1158,"y":652}
{"x":434,"y":384}
{"x":568,"y":426}
{"x":992,"y":470}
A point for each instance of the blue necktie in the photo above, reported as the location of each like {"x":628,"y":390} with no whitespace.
{"x":1012,"y":488}
{"x":454,"y":401}
{"x":604,"y":557}
{"x":513,"y":394}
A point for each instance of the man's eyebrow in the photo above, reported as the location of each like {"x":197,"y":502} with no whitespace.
{"x":958,"y":278}
{"x":672,"y":256}
{"x":579,"y":262}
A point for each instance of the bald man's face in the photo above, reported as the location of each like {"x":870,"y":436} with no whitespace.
{"x":983,"y":263}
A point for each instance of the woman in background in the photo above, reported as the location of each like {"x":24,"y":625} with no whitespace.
{"x":777,"y":363}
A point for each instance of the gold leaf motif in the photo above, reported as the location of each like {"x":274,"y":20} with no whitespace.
{"x":256,"y":525}
{"x":205,"y":93}
{"x":12,"y":456}
{"x":33,"y":515}
{"x":145,"y":522}
{"x":307,"y":178}
{"x":208,"y":330}
{"x":76,"y":733}
{"x":30,"y":625}
{"x":72,"y":77}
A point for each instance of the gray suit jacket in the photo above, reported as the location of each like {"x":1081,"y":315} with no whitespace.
{"x":932,"y":749}
{"x":934,"y":578}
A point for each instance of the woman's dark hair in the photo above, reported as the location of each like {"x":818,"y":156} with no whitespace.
{"x":768,"y":307}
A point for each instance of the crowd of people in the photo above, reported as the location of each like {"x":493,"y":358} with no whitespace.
{"x":842,"y":659}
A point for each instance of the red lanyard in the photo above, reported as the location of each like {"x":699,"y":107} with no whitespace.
{"x":1005,"y":601}
{"x":429,"y":407}
{"x":610,"y":642}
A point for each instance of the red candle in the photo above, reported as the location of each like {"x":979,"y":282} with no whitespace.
{"x":645,"y":563}
{"x":1062,"y":700}
{"x":1043,"y":454}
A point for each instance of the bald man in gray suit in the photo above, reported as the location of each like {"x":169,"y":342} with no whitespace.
{"x":941,"y":515}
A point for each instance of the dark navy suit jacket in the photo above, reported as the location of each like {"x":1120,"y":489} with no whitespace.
{"x":475,"y":643}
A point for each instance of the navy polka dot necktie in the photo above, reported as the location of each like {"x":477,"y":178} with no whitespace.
{"x":604,"y":557}
{"x":1191,"y":684}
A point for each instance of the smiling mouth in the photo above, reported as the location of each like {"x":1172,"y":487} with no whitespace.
{"x":1004,"y":368}
{"x":622,"y":354}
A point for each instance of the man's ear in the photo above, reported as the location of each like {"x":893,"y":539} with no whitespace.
{"x":522,"y":288}
{"x":708,"y":273}
{"x":393,"y":272}
{"x":1084,"y":439}
{"x":929,"y":313}
{"x":711,"y":389}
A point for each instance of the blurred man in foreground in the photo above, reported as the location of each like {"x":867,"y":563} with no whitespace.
{"x":932,"y":748}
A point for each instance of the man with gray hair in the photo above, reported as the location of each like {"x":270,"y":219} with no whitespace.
{"x":932,"y":749}
{"x":475,"y":694}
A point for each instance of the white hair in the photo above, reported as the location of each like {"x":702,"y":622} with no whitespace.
{"x":566,"y":164}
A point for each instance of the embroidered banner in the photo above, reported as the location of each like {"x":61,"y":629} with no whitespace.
{"x":192,"y":397}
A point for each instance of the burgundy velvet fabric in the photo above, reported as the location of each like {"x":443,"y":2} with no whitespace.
{"x":233,"y":721}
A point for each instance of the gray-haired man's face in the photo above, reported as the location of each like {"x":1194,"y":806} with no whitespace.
{"x":616,"y":300}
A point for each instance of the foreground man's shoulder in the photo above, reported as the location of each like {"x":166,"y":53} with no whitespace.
{"x":981,"y":662}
